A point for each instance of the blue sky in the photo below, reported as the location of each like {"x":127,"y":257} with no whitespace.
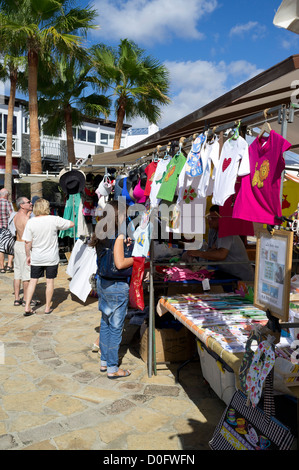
{"x":209,"y":46}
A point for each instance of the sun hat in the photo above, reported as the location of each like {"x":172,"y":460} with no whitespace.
{"x":72,"y":181}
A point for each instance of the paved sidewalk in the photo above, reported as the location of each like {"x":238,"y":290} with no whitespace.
{"x":53,"y":396}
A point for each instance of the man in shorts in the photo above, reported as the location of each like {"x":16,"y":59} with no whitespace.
{"x":21,"y":268}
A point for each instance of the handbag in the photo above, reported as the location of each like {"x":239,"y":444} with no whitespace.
{"x":136,"y":297}
{"x":106,"y":265}
{"x":247,"y":427}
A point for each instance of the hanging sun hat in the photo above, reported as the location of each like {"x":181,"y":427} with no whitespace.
{"x":72,"y":181}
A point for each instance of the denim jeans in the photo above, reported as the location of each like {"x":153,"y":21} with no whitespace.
{"x":113,"y":303}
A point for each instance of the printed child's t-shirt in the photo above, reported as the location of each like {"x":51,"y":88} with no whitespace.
{"x":170,"y":180}
{"x":234,"y":161}
{"x":259,"y":197}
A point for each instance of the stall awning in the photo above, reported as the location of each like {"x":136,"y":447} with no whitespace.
{"x":97,"y":163}
{"x":273,"y":87}
{"x":25,"y":178}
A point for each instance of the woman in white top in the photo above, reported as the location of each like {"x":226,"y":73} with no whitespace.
{"x":42,"y":251}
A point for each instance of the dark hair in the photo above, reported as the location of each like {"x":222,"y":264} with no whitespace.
{"x":94,"y":239}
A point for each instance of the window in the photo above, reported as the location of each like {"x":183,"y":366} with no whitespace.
{"x":0,"y":123}
{"x":104,"y":139}
{"x":14,"y":125}
{"x":82,"y":135}
{"x":91,"y":136}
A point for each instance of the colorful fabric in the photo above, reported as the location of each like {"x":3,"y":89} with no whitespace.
{"x":259,"y":197}
{"x":262,"y":363}
{"x":150,"y":173}
{"x":209,"y":155}
{"x":157,"y":180}
{"x":138,"y":194}
{"x":194,"y":161}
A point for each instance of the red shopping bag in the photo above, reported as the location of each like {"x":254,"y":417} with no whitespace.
{"x":136,"y":298}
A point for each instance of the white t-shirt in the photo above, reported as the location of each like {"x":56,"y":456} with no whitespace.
{"x":42,"y":232}
{"x":158,"y":176}
{"x":234,"y":161}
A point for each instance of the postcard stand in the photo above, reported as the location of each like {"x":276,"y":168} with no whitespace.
{"x":273,"y":277}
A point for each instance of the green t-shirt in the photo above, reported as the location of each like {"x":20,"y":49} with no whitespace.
{"x":170,"y":178}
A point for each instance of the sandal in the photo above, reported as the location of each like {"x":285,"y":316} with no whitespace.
{"x":17,"y":303}
{"x":103,"y":369}
{"x":9,"y":269}
{"x":117,"y":375}
{"x":3,"y":270}
{"x":27,"y":314}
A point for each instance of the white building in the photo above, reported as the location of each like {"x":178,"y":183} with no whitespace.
{"x":93,"y":137}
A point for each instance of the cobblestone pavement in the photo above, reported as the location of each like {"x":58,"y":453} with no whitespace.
{"x":53,"y":396}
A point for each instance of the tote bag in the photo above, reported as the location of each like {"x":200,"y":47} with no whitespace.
{"x":244,"y":427}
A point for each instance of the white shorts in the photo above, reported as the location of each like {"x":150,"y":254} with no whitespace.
{"x":21,"y":268}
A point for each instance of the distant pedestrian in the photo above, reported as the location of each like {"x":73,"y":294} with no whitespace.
{"x":6,"y":238}
{"x":42,"y":250}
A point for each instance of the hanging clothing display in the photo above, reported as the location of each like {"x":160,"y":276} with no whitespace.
{"x":71,"y":212}
{"x":82,"y":264}
{"x":194,"y":161}
{"x":259,"y":197}
{"x":228,"y":225}
{"x":157,"y":180}
{"x":125,"y":193}
{"x":150,"y":173}
{"x":138,"y":194}
{"x":170,"y":179}
{"x":234,"y":161}
{"x":209,"y":155}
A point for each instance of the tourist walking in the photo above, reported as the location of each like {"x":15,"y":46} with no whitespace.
{"x":42,"y":250}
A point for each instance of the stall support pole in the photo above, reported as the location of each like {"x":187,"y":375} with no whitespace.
{"x":151,"y":316}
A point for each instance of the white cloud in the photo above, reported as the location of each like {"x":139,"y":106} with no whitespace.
{"x":253,"y":27}
{"x":151,"y":21}
{"x":195,"y":84}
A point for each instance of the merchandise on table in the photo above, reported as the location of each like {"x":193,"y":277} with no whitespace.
{"x":228,"y":318}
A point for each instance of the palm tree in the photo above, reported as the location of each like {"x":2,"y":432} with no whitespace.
{"x":11,"y":69}
{"x":43,"y":26}
{"x":139,"y":83}
{"x":61,"y":102}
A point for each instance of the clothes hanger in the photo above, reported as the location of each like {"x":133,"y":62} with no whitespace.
{"x":236,"y":133}
{"x":266,"y":128}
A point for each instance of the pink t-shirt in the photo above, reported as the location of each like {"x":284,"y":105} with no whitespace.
{"x":259,"y":197}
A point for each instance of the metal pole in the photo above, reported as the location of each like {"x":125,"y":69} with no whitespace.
{"x":151,"y":315}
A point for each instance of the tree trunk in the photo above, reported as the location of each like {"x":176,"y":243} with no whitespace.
{"x":69,"y":135}
{"x":9,"y":132}
{"x":35,"y":153}
{"x":121,"y":112}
